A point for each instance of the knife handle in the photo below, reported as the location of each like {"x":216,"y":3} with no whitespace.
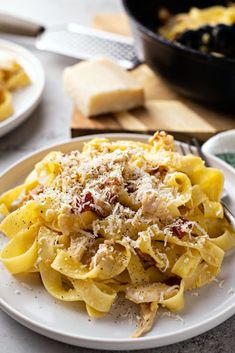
{"x":14,"y":25}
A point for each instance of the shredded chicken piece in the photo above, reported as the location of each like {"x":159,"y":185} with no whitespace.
{"x":78,"y":246}
{"x":147,"y":315}
{"x":154,"y":292}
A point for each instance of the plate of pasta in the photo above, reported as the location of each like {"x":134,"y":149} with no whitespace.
{"x":116,"y":242}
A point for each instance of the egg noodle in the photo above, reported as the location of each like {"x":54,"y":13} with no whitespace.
{"x":196,"y":18}
{"x":119,"y":216}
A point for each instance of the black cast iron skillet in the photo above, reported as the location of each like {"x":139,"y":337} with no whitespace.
{"x":197,"y":75}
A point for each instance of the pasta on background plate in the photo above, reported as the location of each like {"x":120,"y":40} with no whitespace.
{"x":12,"y":78}
{"x":120,"y":216}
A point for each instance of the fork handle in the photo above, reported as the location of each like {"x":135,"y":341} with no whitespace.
{"x":14,"y":25}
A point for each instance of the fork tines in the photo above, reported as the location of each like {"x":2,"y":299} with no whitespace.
{"x":193,"y":146}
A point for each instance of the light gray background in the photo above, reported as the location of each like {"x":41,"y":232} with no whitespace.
{"x":50,"y":124}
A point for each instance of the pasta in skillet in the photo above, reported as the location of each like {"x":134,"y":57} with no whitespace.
{"x":120,"y":216}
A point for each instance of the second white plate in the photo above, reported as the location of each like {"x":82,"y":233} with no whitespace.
{"x":25,"y":299}
{"x":26,"y":99}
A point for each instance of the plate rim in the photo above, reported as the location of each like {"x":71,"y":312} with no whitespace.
{"x":105,"y":343}
{"x":17,"y":119}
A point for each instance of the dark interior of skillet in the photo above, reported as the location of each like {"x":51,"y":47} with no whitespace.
{"x":200,"y":76}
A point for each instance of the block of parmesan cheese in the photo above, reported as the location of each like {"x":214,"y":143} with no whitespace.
{"x":101,"y":86}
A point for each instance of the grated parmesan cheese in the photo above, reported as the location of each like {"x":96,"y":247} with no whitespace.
{"x":221,"y":284}
{"x":176,"y":317}
{"x":195,"y":294}
{"x":231,"y":291}
{"x":26,"y":285}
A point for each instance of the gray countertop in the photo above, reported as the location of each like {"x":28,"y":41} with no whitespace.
{"x":50,"y":124}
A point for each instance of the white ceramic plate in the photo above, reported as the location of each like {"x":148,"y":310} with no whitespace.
{"x":26,"y":99}
{"x":66,"y":322}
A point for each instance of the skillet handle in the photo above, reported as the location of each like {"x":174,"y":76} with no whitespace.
{"x":14,"y":25}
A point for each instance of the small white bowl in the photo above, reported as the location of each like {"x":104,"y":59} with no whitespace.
{"x":220,"y":143}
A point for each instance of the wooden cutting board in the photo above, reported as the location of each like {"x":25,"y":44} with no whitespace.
{"x":165,"y":109}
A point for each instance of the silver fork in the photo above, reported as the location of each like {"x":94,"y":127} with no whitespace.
{"x":194,"y":148}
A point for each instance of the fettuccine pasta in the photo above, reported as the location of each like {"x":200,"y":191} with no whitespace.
{"x":118,"y":217}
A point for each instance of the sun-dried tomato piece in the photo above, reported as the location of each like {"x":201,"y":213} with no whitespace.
{"x":111,"y":197}
{"x":85,"y":202}
{"x":179,"y":227}
{"x":173,"y":281}
{"x":130,"y":186}
{"x":178,"y":232}
{"x":145,"y":257}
